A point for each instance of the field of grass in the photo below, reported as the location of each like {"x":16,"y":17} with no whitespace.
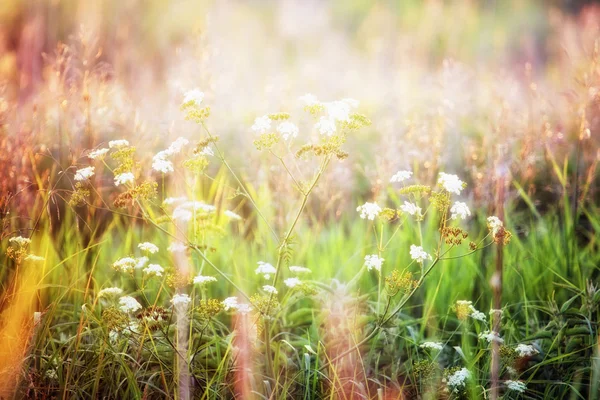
{"x":424,"y":226}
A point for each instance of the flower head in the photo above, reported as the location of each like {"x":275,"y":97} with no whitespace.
{"x":373,"y":261}
{"x":299,"y":270}
{"x":287,"y":130}
{"x":118,"y":143}
{"x":292,"y":282}
{"x":517,"y":386}
{"x":369,"y":210}
{"x":401,"y":176}
{"x":148,"y":247}
{"x":262,"y":124}
{"x":203,"y":280}
{"x":194,"y":95}
{"x":154,"y":270}
{"x":418,"y":254}
{"x":98,"y":154}
{"x":270,"y":289}
{"x":125,"y":177}
{"x":325,"y":126}
{"x":129,"y":304}
{"x":266,"y":269}
{"x":412,"y":209}
{"x":494,"y":224}
{"x":84,"y":173}
{"x":457,"y":380}
{"x":525,"y":350}
{"x":450,"y":183}
{"x":491,"y":336}
{"x":181,"y":299}
{"x":460,"y":210}
{"x":125,"y":264}
{"x":177,"y":247}
{"x":432,"y":345}
{"x":162,"y":165}
{"x":110,"y":292}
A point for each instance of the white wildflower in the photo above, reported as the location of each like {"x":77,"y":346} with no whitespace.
{"x":262,"y":124}
{"x":491,"y":336}
{"x":494,"y":224}
{"x":34,"y":258}
{"x":369,"y":210}
{"x":230,"y":303}
{"x":525,"y":350}
{"x":373,"y":261}
{"x":125,"y":264}
{"x":98,"y":154}
{"x":287,"y":130}
{"x":478,"y":315}
{"x":460,"y":209}
{"x":174,"y":200}
{"x":129,"y":304}
{"x":140,"y":262}
{"x":299,"y":270}
{"x":110,"y":292}
{"x":450,"y":182}
{"x":270,"y":289}
{"x":292,"y":282}
{"x":84,"y":173}
{"x":411,"y":208}
{"x":124,"y":178}
{"x":266,"y":269}
{"x":517,"y":386}
{"x":203,"y":280}
{"x":149,"y":247}
{"x":162,"y":165}
{"x":20,"y":240}
{"x":401,"y":176}
{"x":177,"y":247}
{"x":154,"y":270}
{"x":432,"y":345}
{"x":181,"y":300}
{"x":194,"y":95}
{"x":182,"y":214}
{"x":325,"y":126}
{"x":177,"y":146}
{"x":338,"y":111}
{"x":118,"y":143}
{"x":418,"y":254}
{"x":457,"y":380}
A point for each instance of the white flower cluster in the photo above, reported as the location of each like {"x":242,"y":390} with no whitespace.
{"x":181,"y":300}
{"x":458,"y":380}
{"x":491,"y":336}
{"x":473,"y":312}
{"x":418,"y":254}
{"x":98,"y":154}
{"x":154,"y":270}
{"x":337,"y":111}
{"x":148,"y":247}
{"x":369,"y":210}
{"x":187,"y":210}
{"x":266,"y":269}
{"x":84,"y":173}
{"x":125,"y":177}
{"x":292,"y":282}
{"x":401,"y":176}
{"x":373,"y":261}
{"x":177,"y":247}
{"x":109,"y":292}
{"x":432,"y":345}
{"x":20,"y":240}
{"x":494,"y":224}
{"x":460,"y":210}
{"x":194,"y":96}
{"x":525,"y":350}
{"x":287,"y":130}
{"x":160,"y":161}
{"x":517,"y":386}
{"x":299,"y":270}
{"x":203,"y":280}
{"x":128,"y":304}
{"x":451,"y":183}
{"x":412,"y":209}
{"x":262,"y":124}
{"x":270,"y":289}
{"x":232,"y":303}
{"x":115,"y":144}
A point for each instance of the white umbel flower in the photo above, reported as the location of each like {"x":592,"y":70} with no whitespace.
{"x":270,"y":289}
{"x":517,"y":386}
{"x":262,"y":124}
{"x":373,"y":261}
{"x":84,"y":173}
{"x":203,"y":280}
{"x":418,"y":254}
{"x":181,"y":300}
{"x":292,"y":282}
{"x":491,"y":336}
{"x":148,"y":247}
{"x":110,"y":292}
{"x":161,"y":164}
{"x":411,"y":208}
{"x":128,"y":304}
{"x":118,"y":143}
{"x":265,"y":269}
{"x":325,"y":126}
{"x":154,"y":270}
{"x":98,"y":154}
{"x":525,"y":350}
{"x":287,"y":130}
{"x":194,"y":95}
{"x":140,"y":262}
{"x":457,"y":380}
{"x":401,"y":176}
{"x":20,"y":240}
{"x":124,"y":178}
{"x":177,"y":247}
{"x":494,"y":224}
{"x":125,"y":264}
{"x":299,"y":270}
{"x":338,"y":110}
{"x":432,"y":345}
{"x":369,"y":210}
{"x":34,"y":258}
{"x":460,"y":210}
{"x":450,"y":182}
{"x":231,"y":303}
